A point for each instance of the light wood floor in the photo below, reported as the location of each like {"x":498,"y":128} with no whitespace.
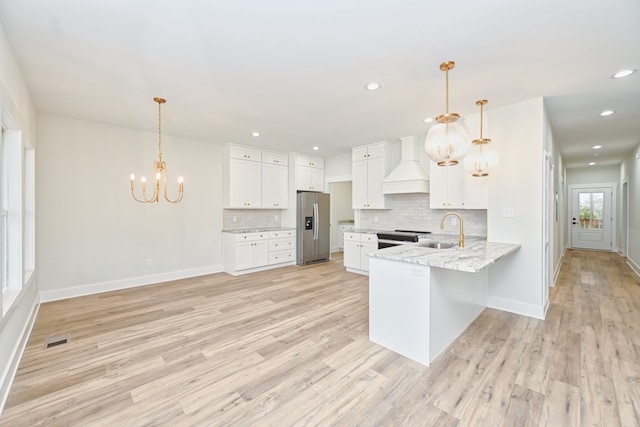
{"x":290,"y":347}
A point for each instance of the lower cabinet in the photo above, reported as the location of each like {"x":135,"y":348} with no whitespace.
{"x":255,"y":251}
{"x":282,"y":246}
{"x":356,"y":248}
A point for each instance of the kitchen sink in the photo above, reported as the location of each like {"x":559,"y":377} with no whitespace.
{"x":438,"y":245}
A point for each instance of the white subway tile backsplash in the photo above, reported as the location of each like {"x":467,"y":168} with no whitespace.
{"x":412,"y":212}
{"x":251,"y":218}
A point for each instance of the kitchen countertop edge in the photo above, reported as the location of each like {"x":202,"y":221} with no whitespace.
{"x":473,"y":258}
{"x":256,"y":230}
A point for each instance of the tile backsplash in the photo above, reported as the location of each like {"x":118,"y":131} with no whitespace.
{"x":233,"y":219}
{"x":412,"y":212}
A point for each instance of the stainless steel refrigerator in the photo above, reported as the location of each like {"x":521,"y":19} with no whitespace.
{"x":313,"y":227}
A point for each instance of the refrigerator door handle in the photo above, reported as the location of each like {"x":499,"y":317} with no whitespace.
{"x":315,"y":221}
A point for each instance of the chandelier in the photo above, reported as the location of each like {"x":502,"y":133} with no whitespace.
{"x":448,"y":140}
{"x":482,"y":156}
{"x":160,"y":174}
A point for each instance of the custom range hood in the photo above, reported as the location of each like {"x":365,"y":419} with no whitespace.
{"x":408,"y":176}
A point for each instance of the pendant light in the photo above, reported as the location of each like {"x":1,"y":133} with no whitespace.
{"x":159,"y":174}
{"x":448,"y":139}
{"x":482,"y":156}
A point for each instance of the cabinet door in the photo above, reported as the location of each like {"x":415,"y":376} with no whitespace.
{"x":244,"y":184}
{"x":244,"y":255}
{"x":351,"y":254}
{"x":446,"y":187}
{"x":275,"y":185}
{"x":317,"y":179}
{"x":359,"y":192}
{"x":303,"y":178}
{"x":375,"y":176}
{"x":359,"y":153}
{"x":260,"y":253}
{"x":366,"y":248}
{"x":476,"y":194}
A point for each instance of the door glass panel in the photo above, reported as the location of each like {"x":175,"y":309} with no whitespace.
{"x":591,"y":208}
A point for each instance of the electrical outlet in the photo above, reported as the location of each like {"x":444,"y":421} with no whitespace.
{"x":276,"y":217}
{"x":508,"y":212}
{"x":234,"y":219}
{"x":454,"y":220}
{"x":375,"y":219}
{"x":149,"y":262}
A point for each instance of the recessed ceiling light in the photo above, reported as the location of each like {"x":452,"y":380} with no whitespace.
{"x":607,"y":113}
{"x":428,"y":120}
{"x":597,"y":147}
{"x":256,"y":134}
{"x":316,"y":148}
{"x":623,"y":73}
{"x":592,"y":163}
{"x":372,"y":86}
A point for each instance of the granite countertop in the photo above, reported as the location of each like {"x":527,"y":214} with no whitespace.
{"x":365,"y":231}
{"x":256,"y":230}
{"x":476,"y":255}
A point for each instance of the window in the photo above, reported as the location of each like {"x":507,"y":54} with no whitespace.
{"x":17,"y":222}
{"x":591,"y":208}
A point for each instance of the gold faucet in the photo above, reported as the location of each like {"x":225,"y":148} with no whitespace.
{"x":461,"y":235}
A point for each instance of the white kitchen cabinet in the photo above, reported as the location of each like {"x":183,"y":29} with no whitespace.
{"x":451,"y":187}
{"x":370,"y":165}
{"x":275,"y":180}
{"x":244,"y":185}
{"x":282,"y":246}
{"x":256,"y":251}
{"x":309,"y":173}
{"x":244,"y":251}
{"x":255,"y":179}
{"x":356,"y":248}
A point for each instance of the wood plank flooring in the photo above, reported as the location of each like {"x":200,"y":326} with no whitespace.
{"x":289,"y":347}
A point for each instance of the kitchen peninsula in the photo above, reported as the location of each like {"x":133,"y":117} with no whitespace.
{"x":422,"y":298}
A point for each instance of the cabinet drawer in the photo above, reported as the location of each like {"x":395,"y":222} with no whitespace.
{"x":369,"y":238}
{"x":244,"y":153}
{"x":282,"y":233}
{"x":351,"y":237}
{"x":275,"y":158}
{"x":282,"y":256}
{"x":250,"y":237}
{"x":282,"y":244}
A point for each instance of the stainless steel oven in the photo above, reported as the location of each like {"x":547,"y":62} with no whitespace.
{"x":388,"y":239}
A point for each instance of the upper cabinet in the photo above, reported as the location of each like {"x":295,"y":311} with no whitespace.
{"x":309,"y":173}
{"x":275,"y":179}
{"x":370,"y":165}
{"x":452,"y":188}
{"x":254,"y":179}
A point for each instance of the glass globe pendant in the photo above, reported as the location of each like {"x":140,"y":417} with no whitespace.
{"x":482,"y":156}
{"x":448,"y":140}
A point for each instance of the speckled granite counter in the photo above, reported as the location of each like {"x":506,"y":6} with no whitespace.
{"x":256,"y":230}
{"x":474,"y":257}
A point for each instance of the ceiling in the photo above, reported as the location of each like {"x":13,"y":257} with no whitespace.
{"x":295,"y":70}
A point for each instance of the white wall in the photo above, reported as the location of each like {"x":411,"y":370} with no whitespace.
{"x":15,"y":325}
{"x":630,"y":172}
{"x":515,"y":283}
{"x":92,"y":236}
{"x":595,"y":174}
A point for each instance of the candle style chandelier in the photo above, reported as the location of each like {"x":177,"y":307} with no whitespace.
{"x":160,"y":174}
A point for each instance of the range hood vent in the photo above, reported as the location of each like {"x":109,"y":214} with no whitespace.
{"x":408,"y":176}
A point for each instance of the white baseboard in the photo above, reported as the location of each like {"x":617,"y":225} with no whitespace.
{"x":517,"y":307}
{"x":9,"y":374}
{"x":634,"y":266}
{"x":96,"y":288}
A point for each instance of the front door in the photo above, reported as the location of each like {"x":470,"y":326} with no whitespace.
{"x":591,"y":218}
